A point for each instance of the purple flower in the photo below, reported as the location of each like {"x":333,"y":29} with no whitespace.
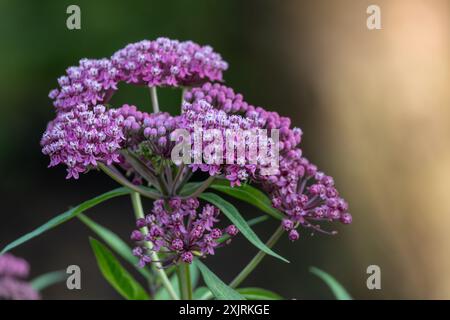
{"x":166,"y":62}
{"x":149,"y":131}
{"x":12,"y":287}
{"x":200,"y":115}
{"x":224,"y":98}
{"x":91,"y":82}
{"x":181,"y":230}
{"x":306,"y":195}
{"x":81,"y":137}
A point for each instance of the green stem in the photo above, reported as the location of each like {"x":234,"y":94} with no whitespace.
{"x":183,"y":92}
{"x":202,"y":188}
{"x":187,"y":271}
{"x":180,"y":283}
{"x":256,"y":259}
{"x":177,"y":178}
{"x":139,"y":213}
{"x":154,"y":97}
{"x":184,"y":280}
{"x":118,"y":177}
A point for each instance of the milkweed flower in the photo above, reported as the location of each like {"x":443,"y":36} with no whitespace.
{"x":166,"y":62}
{"x":224,"y":98}
{"x":12,"y":286}
{"x":200,"y":115}
{"x":181,"y":231}
{"x":81,"y":138}
{"x":148,"y":130}
{"x":305,"y":194}
{"x":91,"y":82}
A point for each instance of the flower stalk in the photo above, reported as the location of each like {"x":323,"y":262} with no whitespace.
{"x":256,"y":259}
{"x":154,"y":97}
{"x":118,"y":177}
{"x":139,"y":213}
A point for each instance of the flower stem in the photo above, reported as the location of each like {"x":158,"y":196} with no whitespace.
{"x":154,"y":97}
{"x":118,"y":177}
{"x":139,"y":213}
{"x":202,"y":188}
{"x":184,"y":280}
{"x":187,"y":273}
{"x":256,"y":259}
{"x":177,"y":178}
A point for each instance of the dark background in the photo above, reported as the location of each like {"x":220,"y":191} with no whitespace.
{"x":348,"y":88}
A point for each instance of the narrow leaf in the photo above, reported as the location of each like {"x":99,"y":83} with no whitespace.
{"x":66,"y":216}
{"x":248,"y":194}
{"x":195,"y":274}
{"x":115,"y":243}
{"x":201,"y":292}
{"x":48,"y":279}
{"x":250,"y":222}
{"x":235,"y":217}
{"x":115,"y":274}
{"x":258,"y":294}
{"x":189,"y":188}
{"x":338,"y":290}
{"x":163,"y":294}
{"x":219,"y":289}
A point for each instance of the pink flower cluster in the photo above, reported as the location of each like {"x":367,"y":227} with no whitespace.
{"x":305,"y":195}
{"x":298,"y":189}
{"x":166,"y":62}
{"x":179,"y":231}
{"x":91,"y":82}
{"x":201,"y":114}
{"x":224,"y":98}
{"x":153,"y":130}
{"x":162,"y":62}
{"x":12,"y":287}
{"x":81,"y":137}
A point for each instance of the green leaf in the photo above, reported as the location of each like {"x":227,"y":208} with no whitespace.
{"x":250,"y":222}
{"x":115,"y":243}
{"x":115,"y":274}
{"x":189,"y":188}
{"x":248,"y":194}
{"x":48,"y":279}
{"x":338,"y":290}
{"x":258,"y":294}
{"x":200,"y":293}
{"x":163,"y":294}
{"x":195,"y":275}
{"x":66,"y":216}
{"x":219,"y":289}
{"x":235,"y":217}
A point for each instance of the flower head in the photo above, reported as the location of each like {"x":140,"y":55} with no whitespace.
{"x":81,"y":138}
{"x":151,"y":131}
{"x":91,"y":82}
{"x":166,"y":62}
{"x":224,"y":98}
{"x":307,"y":196}
{"x":214,"y":126}
{"x":12,"y":287}
{"x":180,"y":229}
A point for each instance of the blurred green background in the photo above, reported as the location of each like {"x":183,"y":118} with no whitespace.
{"x":358,"y":95}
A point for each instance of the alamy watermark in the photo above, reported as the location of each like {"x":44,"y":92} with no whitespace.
{"x":73,"y":21}
{"x":373,"y":21}
{"x":73,"y":281}
{"x":230,"y":146}
{"x":374,"y":280}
